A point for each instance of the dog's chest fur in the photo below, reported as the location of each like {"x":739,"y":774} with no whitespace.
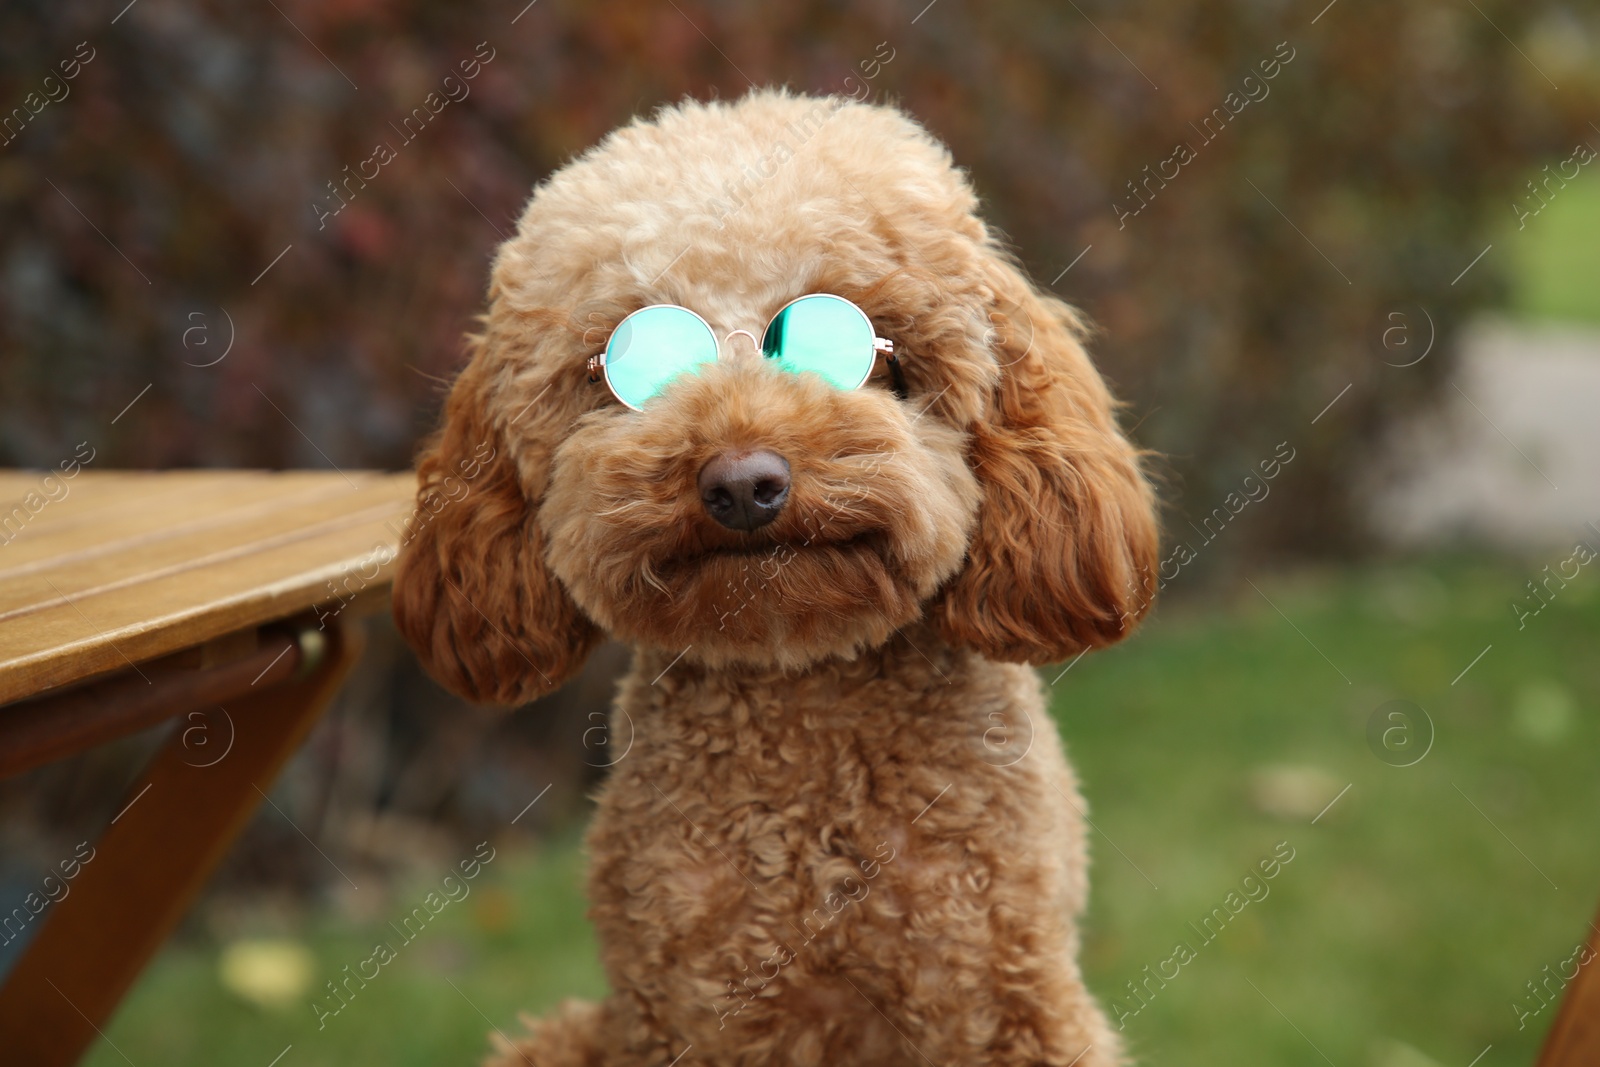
{"x":768,"y":843}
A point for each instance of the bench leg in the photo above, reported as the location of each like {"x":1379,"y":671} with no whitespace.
{"x":149,"y":865}
{"x":1574,"y":1038}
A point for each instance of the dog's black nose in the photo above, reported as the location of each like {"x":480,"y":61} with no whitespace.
{"x":745,"y":490}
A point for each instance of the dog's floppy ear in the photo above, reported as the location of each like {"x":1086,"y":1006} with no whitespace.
{"x":472,"y":594}
{"x":1065,"y":548}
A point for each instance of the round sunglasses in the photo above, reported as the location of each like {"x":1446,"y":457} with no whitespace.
{"x":820,"y":333}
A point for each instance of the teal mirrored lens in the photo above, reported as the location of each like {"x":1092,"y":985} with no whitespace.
{"x":824,"y":334}
{"x":653,"y":346}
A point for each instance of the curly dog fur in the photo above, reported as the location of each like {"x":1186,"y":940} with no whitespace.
{"x":845,"y":832}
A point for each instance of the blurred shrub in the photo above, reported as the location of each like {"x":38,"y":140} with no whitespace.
{"x":1258,"y":282}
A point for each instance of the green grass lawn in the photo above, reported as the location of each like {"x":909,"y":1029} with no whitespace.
{"x":1407,"y":916}
{"x":518,"y":940}
{"x":1400,"y":935}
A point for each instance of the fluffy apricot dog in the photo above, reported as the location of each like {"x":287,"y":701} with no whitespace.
{"x":845,"y":832}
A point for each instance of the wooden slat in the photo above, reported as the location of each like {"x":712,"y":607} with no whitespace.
{"x":156,"y":515}
{"x":35,"y":732}
{"x":71,"y":640}
{"x":99,"y":499}
{"x":78,"y":576}
{"x":13,"y":483}
{"x":222,"y":564}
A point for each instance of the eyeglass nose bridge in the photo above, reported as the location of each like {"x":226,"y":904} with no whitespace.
{"x":754,"y":341}
{"x":880,"y":345}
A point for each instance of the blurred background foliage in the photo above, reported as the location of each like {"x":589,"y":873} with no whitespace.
{"x":168,"y":206}
{"x":1250,"y":291}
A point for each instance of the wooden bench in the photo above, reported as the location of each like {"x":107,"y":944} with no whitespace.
{"x":1574,"y":1037}
{"x":231,"y":598}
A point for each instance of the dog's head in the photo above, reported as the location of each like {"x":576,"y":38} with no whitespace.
{"x":748,"y":514}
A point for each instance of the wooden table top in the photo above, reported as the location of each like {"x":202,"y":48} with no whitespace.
{"x":111,"y":568}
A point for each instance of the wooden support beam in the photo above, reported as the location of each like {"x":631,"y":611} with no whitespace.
{"x":58,"y":724}
{"x":1574,"y":1038}
{"x":178,"y":823}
